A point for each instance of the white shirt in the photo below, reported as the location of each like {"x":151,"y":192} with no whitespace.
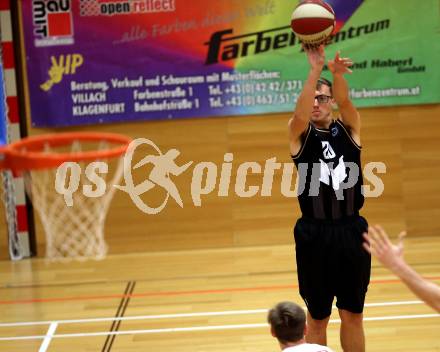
{"x":308,"y":347}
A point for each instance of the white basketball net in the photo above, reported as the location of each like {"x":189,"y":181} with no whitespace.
{"x":8,"y":197}
{"x":76,"y":231}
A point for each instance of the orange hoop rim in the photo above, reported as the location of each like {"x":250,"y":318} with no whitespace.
{"x":28,"y":154}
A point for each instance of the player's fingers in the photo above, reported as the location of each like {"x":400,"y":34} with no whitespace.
{"x":366,"y":236}
{"x":372,"y":238}
{"x":384,"y":239}
{"x":400,"y":242}
{"x":371,"y":246}
{"x":309,"y":48}
{"x":376,"y":235}
{"x":349,"y":71}
{"x":372,"y":232}
{"x":346,"y":63}
{"x":380,"y":232}
{"x":306,"y":47}
{"x":367,"y":247}
{"x":367,"y":239}
{"x":401,"y":237}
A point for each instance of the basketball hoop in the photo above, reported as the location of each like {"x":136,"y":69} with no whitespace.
{"x":78,"y":164}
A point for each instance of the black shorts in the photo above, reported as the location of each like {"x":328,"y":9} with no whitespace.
{"x":331,"y":262}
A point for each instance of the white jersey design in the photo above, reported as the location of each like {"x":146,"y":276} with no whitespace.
{"x":338,"y":174}
{"x":327,"y":150}
{"x":308,"y":347}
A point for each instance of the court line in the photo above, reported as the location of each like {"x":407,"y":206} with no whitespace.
{"x":178,"y":293}
{"x":201,"y":328}
{"x":119,"y":314}
{"x":49,"y":335}
{"x":185,"y":315}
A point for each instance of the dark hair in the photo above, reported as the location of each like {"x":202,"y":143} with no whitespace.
{"x":288,"y":321}
{"x":324,"y":82}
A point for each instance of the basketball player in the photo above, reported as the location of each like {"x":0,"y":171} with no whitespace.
{"x":379,"y":244}
{"x":331,"y":261}
{"x":288,"y":325}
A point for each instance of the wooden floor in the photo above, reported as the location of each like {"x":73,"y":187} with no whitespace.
{"x":202,"y":300}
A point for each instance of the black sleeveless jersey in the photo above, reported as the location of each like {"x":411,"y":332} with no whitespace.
{"x":329,"y":173}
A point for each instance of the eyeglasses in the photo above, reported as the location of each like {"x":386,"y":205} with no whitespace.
{"x":322,"y":98}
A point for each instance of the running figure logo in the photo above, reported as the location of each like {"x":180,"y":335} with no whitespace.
{"x":163,"y":166}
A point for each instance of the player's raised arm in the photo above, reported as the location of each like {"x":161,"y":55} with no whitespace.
{"x":349,"y":115}
{"x":390,"y":255}
{"x":304,"y":106}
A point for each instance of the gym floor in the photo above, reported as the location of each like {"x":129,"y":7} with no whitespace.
{"x":195,"y":300}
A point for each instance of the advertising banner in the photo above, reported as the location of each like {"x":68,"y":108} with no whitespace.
{"x":96,"y":61}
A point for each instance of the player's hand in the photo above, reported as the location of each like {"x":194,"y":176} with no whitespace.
{"x":340,"y":65}
{"x":378,"y":244}
{"x":316,"y":56}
